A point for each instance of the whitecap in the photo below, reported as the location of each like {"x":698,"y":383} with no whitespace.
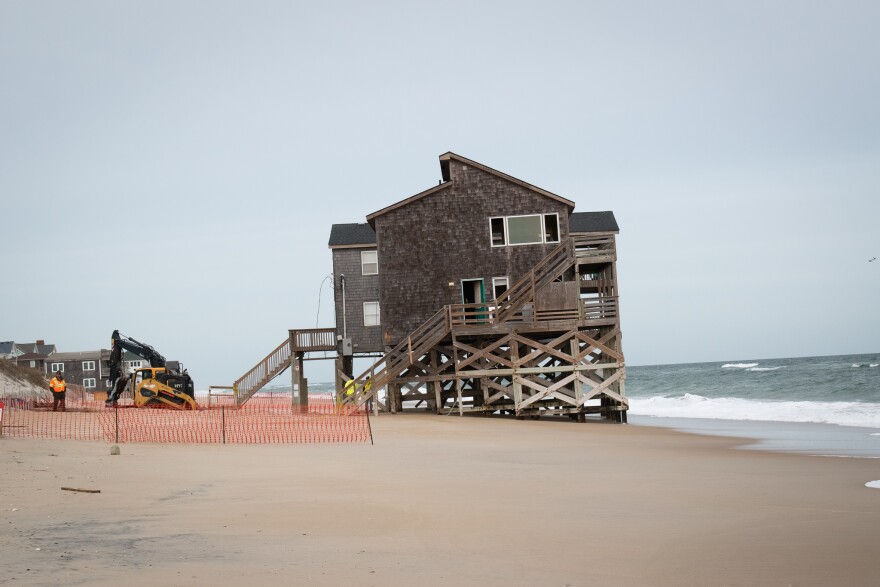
{"x":859,"y":414}
{"x":872,"y":365}
{"x":873,"y":484}
{"x":764,"y":368}
{"x":739,"y":365}
{"x":856,"y":365}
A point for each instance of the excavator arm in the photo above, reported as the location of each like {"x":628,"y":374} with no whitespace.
{"x":175,"y":390}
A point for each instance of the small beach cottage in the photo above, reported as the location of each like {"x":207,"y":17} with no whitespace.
{"x":481,"y":294}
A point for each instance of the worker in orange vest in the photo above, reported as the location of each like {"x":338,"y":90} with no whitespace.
{"x":58,"y":387}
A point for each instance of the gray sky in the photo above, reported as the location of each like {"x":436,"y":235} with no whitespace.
{"x":172,"y":169}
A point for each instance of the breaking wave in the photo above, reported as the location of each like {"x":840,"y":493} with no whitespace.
{"x":689,"y":405}
{"x":739,"y":365}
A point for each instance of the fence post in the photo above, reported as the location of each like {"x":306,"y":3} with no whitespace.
{"x":116,"y":414}
{"x":223,"y":422}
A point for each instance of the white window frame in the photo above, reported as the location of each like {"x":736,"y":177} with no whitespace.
{"x":544,"y":228}
{"x":365,"y":263}
{"x":492,"y":236}
{"x":496,"y":281}
{"x":378,"y":314}
{"x":134,"y":364}
{"x":33,"y":364}
{"x":90,"y":383}
{"x":543,"y":223}
{"x":88,"y":365}
{"x":57,"y":367}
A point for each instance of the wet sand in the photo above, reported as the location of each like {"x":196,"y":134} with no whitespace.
{"x":439,"y":501}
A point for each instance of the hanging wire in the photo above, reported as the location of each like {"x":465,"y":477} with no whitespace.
{"x":320,"y":290}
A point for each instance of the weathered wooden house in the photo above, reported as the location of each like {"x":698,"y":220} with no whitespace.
{"x":86,"y":368}
{"x":483,"y":293}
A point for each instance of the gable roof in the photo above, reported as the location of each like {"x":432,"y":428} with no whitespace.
{"x":592,"y":222}
{"x":409,"y":200}
{"x":445,"y":158}
{"x":351,"y":236}
{"x":448,"y":156}
{"x":39,"y":349}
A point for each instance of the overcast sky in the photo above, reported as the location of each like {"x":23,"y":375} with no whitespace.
{"x":172,"y":169}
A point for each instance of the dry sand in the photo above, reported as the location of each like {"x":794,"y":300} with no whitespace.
{"x":439,"y":501}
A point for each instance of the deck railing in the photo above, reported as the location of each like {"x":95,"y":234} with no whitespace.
{"x":313,"y":339}
{"x":595,"y":249}
{"x":602,"y":308}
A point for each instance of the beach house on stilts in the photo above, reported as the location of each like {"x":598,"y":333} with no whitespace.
{"x":481,"y":294}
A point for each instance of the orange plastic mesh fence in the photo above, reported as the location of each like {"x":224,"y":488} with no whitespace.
{"x":259,"y":421}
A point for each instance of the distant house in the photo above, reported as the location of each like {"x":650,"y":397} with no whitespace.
{"x":34,"y":361}
{"x":7,"y":348}
{"x":34,"y":348}
{"x":29,"y":354}
{"x":86,"y":368}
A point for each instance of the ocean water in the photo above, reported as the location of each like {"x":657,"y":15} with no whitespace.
{"x":819,"y":405}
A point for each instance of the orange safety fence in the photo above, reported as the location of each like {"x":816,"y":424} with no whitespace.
{"x":261,"y":420}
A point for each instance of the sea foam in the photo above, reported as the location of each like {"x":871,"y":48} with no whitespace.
{"x":689,"y":405}
{"x":739,"y":365}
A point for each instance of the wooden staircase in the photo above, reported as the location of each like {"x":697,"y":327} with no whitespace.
{"x":276,"y":362}
{"x":273,"y":365}
{"x":557,"y":262}
{"x":422,"y":339}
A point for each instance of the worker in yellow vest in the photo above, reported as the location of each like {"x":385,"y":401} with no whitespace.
{"x":58,"y":387}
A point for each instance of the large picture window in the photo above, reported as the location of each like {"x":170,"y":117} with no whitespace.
{"x":530,"y":229}
{"x":371,"y":314}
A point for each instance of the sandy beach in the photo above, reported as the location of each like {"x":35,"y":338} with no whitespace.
{"x":439,"y":501}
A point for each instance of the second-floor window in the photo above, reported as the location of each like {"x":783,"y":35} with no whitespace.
{"x":530,"y":229}
{"x":134,"y":364}
{"x":371,"y":314}
{"x":57,"y":367}
{"x":88,"y":365}
{"x":369,"y":263}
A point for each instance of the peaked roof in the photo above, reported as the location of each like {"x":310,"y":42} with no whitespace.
{"x":445,"y":158}
{"x":409,"y":200}
{"x":592,"y":222}
{"x":39,"y":349}
{"x":448,"y":156}
{"x":351,"y":235}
